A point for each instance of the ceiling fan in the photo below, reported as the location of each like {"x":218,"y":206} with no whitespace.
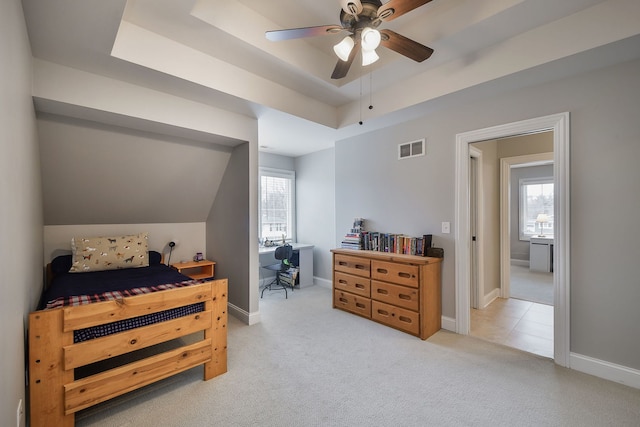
{"x":361,"y":19}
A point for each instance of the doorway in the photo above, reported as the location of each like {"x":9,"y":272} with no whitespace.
{"x":559,"y":124}
{"x":517,"y":309}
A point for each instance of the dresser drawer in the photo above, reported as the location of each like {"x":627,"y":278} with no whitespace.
{"x":352,"y":265}
{"x":353,"y":303}
{"x":355,"y":284}
{"x":402,"y":296}
{"x":396,"y":317}
{"x":403,"y":274}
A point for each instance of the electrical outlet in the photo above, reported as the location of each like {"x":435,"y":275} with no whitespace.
{"x":446,"y":227}
{"x":19,"y":414}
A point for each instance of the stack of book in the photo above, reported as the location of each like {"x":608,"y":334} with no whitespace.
{"x":354,"y":238}
{"x":290,"y":277}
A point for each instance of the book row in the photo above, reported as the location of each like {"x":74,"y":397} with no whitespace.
{"x":388,"y":242}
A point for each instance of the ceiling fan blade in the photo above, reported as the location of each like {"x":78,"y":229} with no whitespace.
{"x":342,"y":67}
{"x":395,"y":8}
{"x":405,"y":46}
{"x":298,"y":33}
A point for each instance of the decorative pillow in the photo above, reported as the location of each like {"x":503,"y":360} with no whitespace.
{"x":109,"y":253}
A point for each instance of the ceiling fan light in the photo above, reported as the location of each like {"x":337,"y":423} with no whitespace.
{"x":370,"y":38}
{"x":343,"y":49}
{"x":369,"y":57}
{"x":352,"y":7}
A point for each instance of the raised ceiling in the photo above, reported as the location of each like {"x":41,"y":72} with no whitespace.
{"x":214,"y":52}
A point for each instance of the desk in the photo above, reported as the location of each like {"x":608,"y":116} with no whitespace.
{"x":305,"y":252}
{"x":541,"y":253}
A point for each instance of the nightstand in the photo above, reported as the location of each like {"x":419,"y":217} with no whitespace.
{"x":195,"y":269}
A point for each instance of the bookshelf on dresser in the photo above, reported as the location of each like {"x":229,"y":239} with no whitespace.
{"x":397,"y":290}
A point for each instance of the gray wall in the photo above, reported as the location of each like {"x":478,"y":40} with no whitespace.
{"x":101,"y":174}
{"x":276,"y":161}
{"x":229,"y":228}
{"x":315,"y":200}
{"x":21,"y":209}
{"x":413,"y":196}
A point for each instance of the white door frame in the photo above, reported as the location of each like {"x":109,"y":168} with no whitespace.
{"x":506,"y":164}
{"x":559,"y":124}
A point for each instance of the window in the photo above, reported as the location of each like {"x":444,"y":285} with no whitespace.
{"x":536,"y":197}
{"x":277,"y":205}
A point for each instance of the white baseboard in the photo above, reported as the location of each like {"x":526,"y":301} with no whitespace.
{"x":588,"y":365}
{"x":243,"y":315}
{"x":448,"y":323}
{"x":323,"y":282}
{"x":490,"y":297}
{"x":520,"y":262}
{"x":606,"y":370}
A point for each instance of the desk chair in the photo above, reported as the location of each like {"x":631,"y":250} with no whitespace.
{"x":283,"y":254}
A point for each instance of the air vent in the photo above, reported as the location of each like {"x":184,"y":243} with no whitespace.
{"x":411,"y":149}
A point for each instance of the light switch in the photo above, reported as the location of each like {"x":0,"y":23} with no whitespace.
{"x":446,"y":227}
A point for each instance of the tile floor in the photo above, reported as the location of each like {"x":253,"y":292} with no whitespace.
{"x":524,"y":325}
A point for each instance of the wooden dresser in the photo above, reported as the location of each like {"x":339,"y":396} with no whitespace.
{"x":401,"y":291}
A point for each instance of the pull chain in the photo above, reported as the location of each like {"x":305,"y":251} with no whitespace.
{"x":360,"y":106}
{"x":371,"y":90}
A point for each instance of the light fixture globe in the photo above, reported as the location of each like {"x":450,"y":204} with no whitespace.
{"x":370,"y":38}
{"x":343,"y":49}
{"x":369,"y":57}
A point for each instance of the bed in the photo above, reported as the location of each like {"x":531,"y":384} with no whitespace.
{"x":81,"y":327}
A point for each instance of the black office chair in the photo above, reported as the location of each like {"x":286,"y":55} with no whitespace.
{"x":283,"y":254}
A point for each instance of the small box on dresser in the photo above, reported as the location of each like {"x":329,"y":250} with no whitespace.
{"x":400,"y":291}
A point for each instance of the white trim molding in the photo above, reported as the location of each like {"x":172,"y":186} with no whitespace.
{"x":243,"y":315}
{"x":559,"y":124}
{"x":606,"y":370}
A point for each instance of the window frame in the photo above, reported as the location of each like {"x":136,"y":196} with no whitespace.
{"x":278,"y":173}
{"x":522,"y":234}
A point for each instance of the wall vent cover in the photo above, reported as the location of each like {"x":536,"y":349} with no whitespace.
{"x":411,"y":149}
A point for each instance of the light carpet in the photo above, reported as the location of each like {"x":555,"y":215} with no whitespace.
{"x":531,"y":285}
{"x":307,"y":364}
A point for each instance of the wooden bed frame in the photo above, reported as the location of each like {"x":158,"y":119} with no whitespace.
{"x":55,"y":396}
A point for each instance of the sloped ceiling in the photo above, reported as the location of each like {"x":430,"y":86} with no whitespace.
{"x":214,"y":53}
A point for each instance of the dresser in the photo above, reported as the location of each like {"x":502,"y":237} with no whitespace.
{"x":400,"y":291}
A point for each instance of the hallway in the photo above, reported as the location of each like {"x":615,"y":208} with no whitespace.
{"x":524,"y":325}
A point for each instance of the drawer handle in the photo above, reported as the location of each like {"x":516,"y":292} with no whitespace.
{"x":359,"y":305}
{"x":382,"y":270}
{"x":359,"y":267}
{"x":344,"y":282}
{"x":405,"y":275}
{"x":406,"y":297}
{"x":404,"y":319}
{"x":359,"y":286}
{"x":383,"y":291}
{"x":343,"y":300}
{"x":342,"y":263}
{"x":383,"y":312}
